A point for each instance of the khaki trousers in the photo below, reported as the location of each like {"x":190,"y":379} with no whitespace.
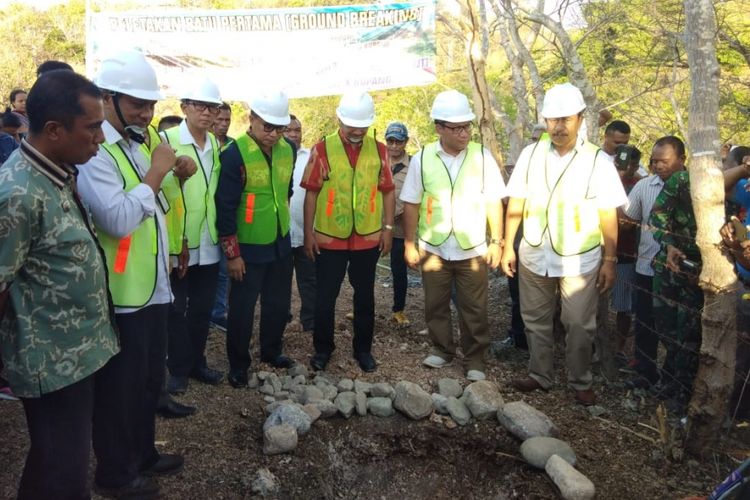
{"x":470,"y":279}
{"x":579,"y":297}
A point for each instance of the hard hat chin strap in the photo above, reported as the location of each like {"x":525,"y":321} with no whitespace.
{"x":136,"y":133}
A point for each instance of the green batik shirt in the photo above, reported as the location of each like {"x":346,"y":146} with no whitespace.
{"x":58,"y":327}
{"x":673,"y":219}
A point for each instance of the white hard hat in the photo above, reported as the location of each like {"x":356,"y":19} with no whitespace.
{"x":204,"y":91}
{"x":451,"y":106}
{"x":356,"y":110}
{"x":129,"y":73}
{"x":563,"y":100}
{"x":272,"y":107}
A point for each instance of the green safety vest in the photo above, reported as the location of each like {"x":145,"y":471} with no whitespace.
{"x":264,"y":204}
{"x":449,"y":207}
{"x":349,"y":198}
{"x":132,"y":260}
{"x":198,"y":206}
{"x":565,"y":210}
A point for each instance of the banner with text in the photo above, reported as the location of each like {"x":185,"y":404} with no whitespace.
{"x":307,"y":52}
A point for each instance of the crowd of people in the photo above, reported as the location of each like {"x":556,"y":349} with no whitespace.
{"x":123,"y":244}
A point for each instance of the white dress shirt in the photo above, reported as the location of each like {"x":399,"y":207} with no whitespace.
{"x":207,"y":252}
{"x":297,"y":202}
{"x":119,"y":213}
{"x":640,"y":202}
{"x":494,"y":191}
{"x":605,"y":186}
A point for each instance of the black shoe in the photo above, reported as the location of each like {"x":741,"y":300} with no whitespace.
{"x":173,"y":409}
{"x":207,"y":375}
{"x":166,"y":465}
{"x":320,"y":360}
{"x":237,"y":379}
{"x":279,"y":361}
{"x":219,"y":324}
{"x":141,"y":488}
{"x":639,"y":382}
{"x":366,"y":361}
{"x":177,"y":385}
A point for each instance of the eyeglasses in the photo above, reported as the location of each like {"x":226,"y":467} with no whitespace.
{"x":268,"y":128}
{"x":395,"y":142}
{"x":457,"y":129}
{"x":200,"y":107}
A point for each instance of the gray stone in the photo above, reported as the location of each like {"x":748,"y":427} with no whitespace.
{"x":312,"y":411}
{"x":281,"y":395}
{"x":297,"y":392}
{"x":272,"y":406}
{"x":596,"y":410}
{"x":439,"y":401}
{"x":360,"y":401}
{"x":524,"y":421}
{"x":290,"y":414}
{"x":327,"y":408}
{"x":269,"y":399}
{"x":412,"y":400}
{"x":265,"y":483}
{"x":286,"y":382}
{"x":262,"y":375}
{"x":329,"y":392}
{"x":321,"y":378}
{"x":279,"y":439}
{"x":483,"y":399}
{"x":253,"y":382}
{"x":266,"y":388}
{"x":458,"y":411}
{"x":380,"y":407}
{"x":449,"y":387}
{"x":297,"y":370}
{"x":299,"y":380}
{"x":345,"y":403}
{"x":382,"y":390}
{"x":275,"y":382}
{"x":572,"y":484}
{"x":537,"y":450}
{"x":345,"y":384}
{"x":363,"y":387}
{"x":310,"y":393}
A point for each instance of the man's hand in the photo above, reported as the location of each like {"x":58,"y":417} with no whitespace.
{"x":492,"y":257}
{"x":607,"y":275}
{"x":236,"y":268}
{"x":674,"y":257}
{"x":508,"y":261}
{"x":184,"y":167}
{"x":182,"y":260}
{"x":311,"y":247}
{"x":411,"y":255}
{"x":163,"y":159}
{"x":386,"y":242}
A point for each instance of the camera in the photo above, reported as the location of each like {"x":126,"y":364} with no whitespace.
{"x":625,"y":156}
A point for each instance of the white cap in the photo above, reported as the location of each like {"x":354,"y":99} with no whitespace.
{"x":563,"y":100}
{"x":356,"y":110}
{"x":204,"y":91}
{"x":452,"y":106}
{"x":272,"y":107}
{"x":129,"y":73}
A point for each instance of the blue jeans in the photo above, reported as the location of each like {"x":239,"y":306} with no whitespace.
{"x":219,"y":312}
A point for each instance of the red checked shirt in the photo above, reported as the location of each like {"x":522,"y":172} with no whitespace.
{"x":312,"y":180}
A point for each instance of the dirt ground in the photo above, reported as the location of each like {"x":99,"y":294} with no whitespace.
{"x":375,"y":458}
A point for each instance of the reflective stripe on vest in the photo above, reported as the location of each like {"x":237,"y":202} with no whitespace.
{"x":563,"y":210}
{"x":449,"y":207}
{"x":264,"y":204}
{"x":349,"y":199}
{"x":131,"y":261}
{"x":198,"y":192}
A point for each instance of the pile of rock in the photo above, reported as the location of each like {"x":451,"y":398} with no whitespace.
{"x":296,"y":402}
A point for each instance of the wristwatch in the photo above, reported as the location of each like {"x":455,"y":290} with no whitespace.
{"x":388,"y":227}
{"x":607,"y":258}
{"x":495,"y":241}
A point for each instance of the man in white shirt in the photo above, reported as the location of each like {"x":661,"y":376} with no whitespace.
{"x":121,"y":186}
{"x":452,"y":192}
{"x":567,"y":194}
{"x":194,"y":283}
{"x":304,"y":268}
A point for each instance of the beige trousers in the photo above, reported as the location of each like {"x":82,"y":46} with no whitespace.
{"x":579,"y":297}
{"x":470,"y":278}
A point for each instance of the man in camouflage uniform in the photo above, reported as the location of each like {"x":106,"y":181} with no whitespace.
{"x":677,"y":297}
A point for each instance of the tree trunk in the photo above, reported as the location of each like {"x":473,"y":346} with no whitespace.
{"x":713,"y":383}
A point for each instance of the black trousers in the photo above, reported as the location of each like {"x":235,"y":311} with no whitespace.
{"x":517,"y":327}
{"x":646,"y":339}
{"x":194,"y":297}
{"x":127,"y":390}
{"x":398,"y":270}
{"x":304,"y":272}
{"x":273,"y":282}
{"x":59,"y":426}
{"x":331,"y":267}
